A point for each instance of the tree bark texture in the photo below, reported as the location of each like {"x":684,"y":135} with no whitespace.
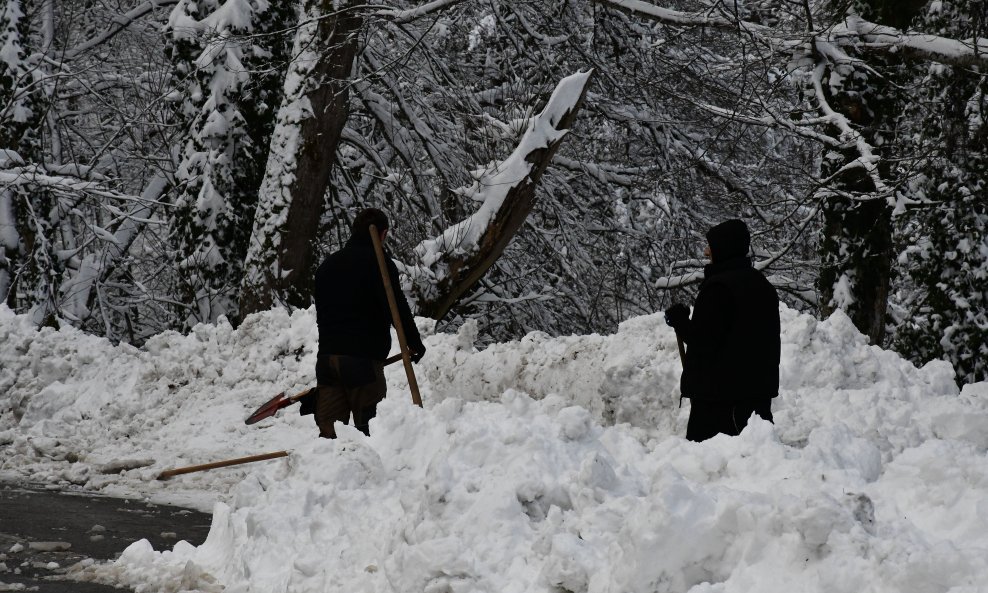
{"x":280,"y":256}
{"x":856,"y":243}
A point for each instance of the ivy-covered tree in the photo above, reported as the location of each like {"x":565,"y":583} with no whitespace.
{"x":856,"y":253}
{"x":310,"y":121}
{"x":944,"y":240}
{"x":229,"y":60}
{"x":28,"y":263}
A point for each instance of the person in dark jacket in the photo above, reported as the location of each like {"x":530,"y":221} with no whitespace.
{"x":733,"y":344}
{"x":354,"y":321}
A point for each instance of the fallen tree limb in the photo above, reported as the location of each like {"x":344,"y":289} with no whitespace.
{"x":451,"y":264}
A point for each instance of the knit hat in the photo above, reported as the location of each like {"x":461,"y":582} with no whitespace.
{"x":728,"y":240}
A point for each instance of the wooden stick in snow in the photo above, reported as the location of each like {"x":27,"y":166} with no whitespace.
{"x":225,"y":463}
{"x":395,"y":316}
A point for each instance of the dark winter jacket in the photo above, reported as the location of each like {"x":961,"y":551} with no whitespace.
{"x":733,"y":342}
{"x":352,"y":307}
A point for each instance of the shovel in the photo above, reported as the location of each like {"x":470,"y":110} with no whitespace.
{"x":271,"y":407}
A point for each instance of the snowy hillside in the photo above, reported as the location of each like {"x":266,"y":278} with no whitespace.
{"x":548,"y":464}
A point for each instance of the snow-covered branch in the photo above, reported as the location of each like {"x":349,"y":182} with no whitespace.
{"x":94,"y":269}
{"x":679,"y":18}
{"x":803,"y":127}
{"x":955,"y":52}
{"x":401,"y":138}
{"x":37,"y":177}
{"x":411,"y":14}
{"x":668,"y":282}
{"x":623,"y":176}
{"x":867,"y":158}
{"x":451,"y":264}
{"x":854,"y":30}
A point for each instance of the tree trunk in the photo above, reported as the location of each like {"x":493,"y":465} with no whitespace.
{"x":856,"y":263}
{"x":311,"y":119}
{"x":856,"y":244}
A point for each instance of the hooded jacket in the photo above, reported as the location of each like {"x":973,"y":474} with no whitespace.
{"x":733,"y":338}
{"x":352,"y":309}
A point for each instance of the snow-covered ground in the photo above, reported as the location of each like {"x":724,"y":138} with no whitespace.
{"x":548,"y":464}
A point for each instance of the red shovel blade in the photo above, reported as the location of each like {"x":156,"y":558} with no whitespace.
{"x":269,"y":408}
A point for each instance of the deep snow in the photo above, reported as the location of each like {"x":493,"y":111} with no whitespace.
{"x":547,"y":464}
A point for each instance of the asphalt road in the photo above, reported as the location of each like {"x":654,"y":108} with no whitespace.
{"x":43,"y":532}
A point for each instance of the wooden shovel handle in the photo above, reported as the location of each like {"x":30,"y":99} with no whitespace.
{"x":396,"y":316}
{"x":225,"y":463}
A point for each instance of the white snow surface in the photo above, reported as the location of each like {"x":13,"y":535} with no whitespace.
{"x":547,"y":464}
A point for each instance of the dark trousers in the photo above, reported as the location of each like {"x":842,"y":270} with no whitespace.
{"x":711,"y":418}
{"x":348,"y":385}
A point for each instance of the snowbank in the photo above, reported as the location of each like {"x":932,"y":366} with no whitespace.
{"x":548,"y":464}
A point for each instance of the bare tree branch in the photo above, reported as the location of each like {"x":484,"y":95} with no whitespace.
{"x":411,"y":14}
{"x":119,"y":24}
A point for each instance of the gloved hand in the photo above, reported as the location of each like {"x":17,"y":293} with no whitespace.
{"x":416,"y":351}
{"x":677,"y":316}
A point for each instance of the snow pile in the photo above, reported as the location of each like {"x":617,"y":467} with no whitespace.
{"x":525,"y":495}
{"x":829,"y":376}
{"x":548,"y":464}
{"x":76,"y":409}
{"x":629,"y":377}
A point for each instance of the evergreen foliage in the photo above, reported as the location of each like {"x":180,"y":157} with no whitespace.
{"x":19,"y":87}
{"x":228,"y":60}
{"x":29,"y":266}
{"x":944,"y":240}
{"x":856,"y":237}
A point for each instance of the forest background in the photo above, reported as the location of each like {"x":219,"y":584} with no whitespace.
{"x":548,"y":165}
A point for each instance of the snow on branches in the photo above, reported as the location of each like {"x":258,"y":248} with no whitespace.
{"x":450,"y":264}
{"x":854,"y":30}
{"x":222,"y":56}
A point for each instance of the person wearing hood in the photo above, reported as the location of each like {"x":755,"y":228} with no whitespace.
{"x":733,"y":344}
{"x":354,"y":321}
